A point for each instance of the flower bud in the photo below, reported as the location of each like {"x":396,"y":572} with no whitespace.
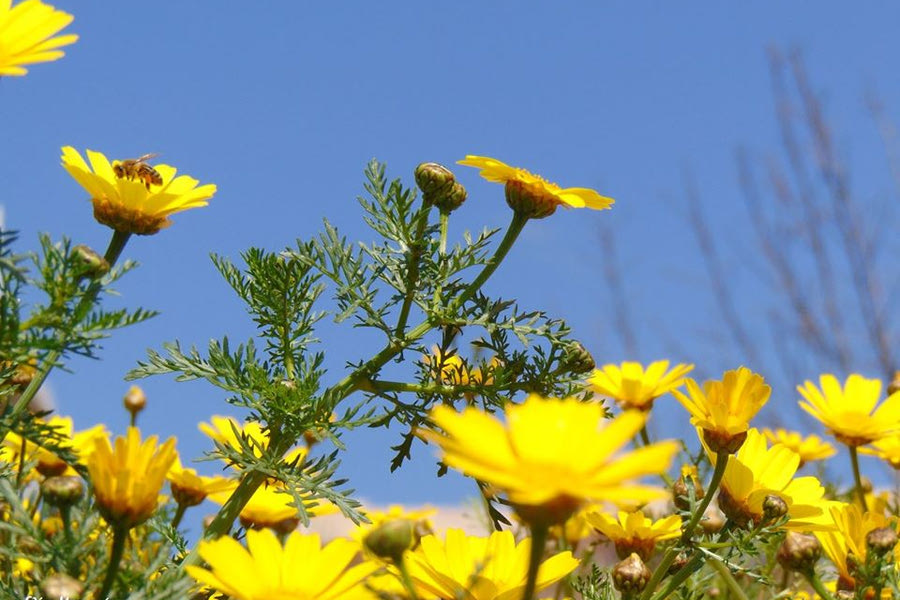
{"x":631,"y":575}
{"x":799,"y":552}
{"x":436,"y":182}
{"x":894,"y":385}
{"x":712,"y":522}
{"x":881,"y":540}
{"x":391,"y":539}
{"x":533,"y":202}
{"x":60,"y":585}
{"x":186,"y":495}
{"x":577,"y":359}
{"x":774,"y":507}
{"x":452,"y":199}
{"x":62,"y":491}
{"x":135,"y":400}
{"x":680,"y":493}
{"x":93,"y":266}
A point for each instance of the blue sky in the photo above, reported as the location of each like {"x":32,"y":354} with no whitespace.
{"x":282,"y":104}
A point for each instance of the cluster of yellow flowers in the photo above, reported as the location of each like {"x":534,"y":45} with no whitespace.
{"x":560,"y":464}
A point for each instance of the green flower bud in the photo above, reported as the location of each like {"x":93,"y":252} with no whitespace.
{"x":391,"y":539}
{"x":436,"y":181}
{"x":631,"y":575}
{"x":881,"y":540}
{"x":94,"y":266}
{"x":774,"y":507}
{"x":578,"y":360}
{"x":62,"y":491}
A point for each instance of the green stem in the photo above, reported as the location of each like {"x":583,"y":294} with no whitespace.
{"x":407,"y":580}
{"x":678,"y":578}
{"x":538,"y":541}
{"x":728,"y":578}
{"x":442,"y":249}
{"x":65,"y":513}
{"x":412,"y":278}
{"x":857,"y":478}
{"x":515,"y":228}
{"x":718,"y":473}
{"x":817,"y":585}
{"x":113,"y":251}
{"x":672,"y":552}
{"x":179,"y":514}
{"x":120,"y":534}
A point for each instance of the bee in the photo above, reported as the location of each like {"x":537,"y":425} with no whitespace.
{"x":137,"y":168}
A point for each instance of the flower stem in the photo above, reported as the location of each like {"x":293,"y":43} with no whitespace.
{"x":515,"y":228}
{"x":672,"y":552}
{"x":412,"y":277}
{"x":729,"y":580}
{"x":817,"y":585}
{"x":538,"y":541}
{"x":407,"y":580}
{"x":120,"y":534}
{"x":113,"y":251}
{"x":179,"y":514}
{"x":857,"y":478}
{"x":718,"y":473}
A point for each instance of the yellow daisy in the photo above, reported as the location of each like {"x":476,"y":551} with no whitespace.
{"x":26,"y":35}
{"x":300,"y":570}
{"x":634,"y":532}
{"x":478,"y":568}
{"x":552,"y":455}
{"x":632,"y":386}
{"x":131,"y":205}
{"x":271,"y":506}
{"x":229,"y":432}
{"x":723,"y":409}
{"x":756,"y":472}
{"x":848,"y":538}
{"x":49,"y":464}
{"x":887,"y":449}
{"x":810,"y":447}
{"x":849,"y":412}
{"x":190,"y":489}
{"x":127,"y":479}
{"x":531,"y":194}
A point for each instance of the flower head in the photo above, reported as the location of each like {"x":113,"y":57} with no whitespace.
{"x":634,"y":532}
{"x":478,"y":568}
{"x":26,"y":35}
{"x":531,"y":194}
{"x":190,"y":489}
{"x":127,"y":478}
{"x":134,"y":204}
{"x":300,"y":570}
{"x":809,"y":448}
{"x":552,"y":455}
{"x":723,"y":409}
{"x":846,"y":542}
{"x":887,"y":449}
{"x":272,"y":506}
{"x":756,"y":472}
{"x":849,"y":412}
{"x":634,"y":387}
{"x":228,"y":432}
{"x":80,"y":443}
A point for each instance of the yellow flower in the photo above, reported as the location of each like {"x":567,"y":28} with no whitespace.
{"x":576,"y":527}
{"x":228,"y":432}
{"x":478,"y":568}
{"x":634,"y":387}
{"x":811,"y":447}
{"x":887,"y":449}
{"x":633,"y":532}
{"x":531,"y":194}
{"x":848,"y":538}
{"x":26,"y":35}
{"x":552,"y":455}
{"x":48,"y":463}
{"x":272,"y":506}
{"x":849,"y":413}
{"x":454,"y":371}
{"x":127,"y":480}
{"x":300,"y":570}
{"x":130,"y":205}
{"x":756,"y":472}
{"x":723,"y":409}
{"x":190,"y":489}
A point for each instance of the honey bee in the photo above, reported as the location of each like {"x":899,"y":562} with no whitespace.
{"x":137,"y":168}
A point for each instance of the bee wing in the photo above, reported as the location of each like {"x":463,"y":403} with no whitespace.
{"x":147,"y":157}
